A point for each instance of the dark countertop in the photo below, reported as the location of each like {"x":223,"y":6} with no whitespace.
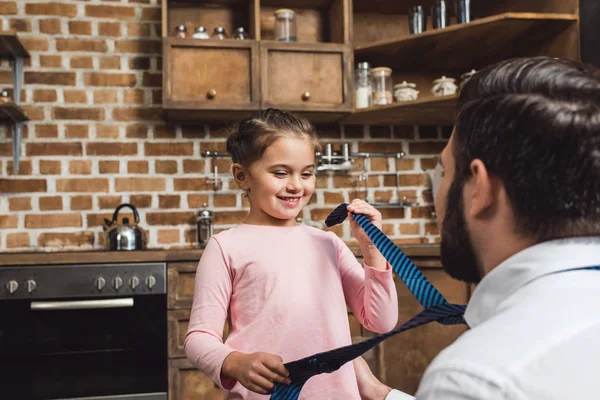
{"x":185,"y":254}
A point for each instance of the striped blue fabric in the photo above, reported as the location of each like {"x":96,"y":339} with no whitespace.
{"x":437,"y":308}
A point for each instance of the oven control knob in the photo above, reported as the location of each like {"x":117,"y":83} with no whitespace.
{"x":100,"y":283}
{"x":117,"y":282}
{"x":12,"y":286}
{"x":31,"y":285}
{"x":134,"y":281}
{"x":150,"y":282}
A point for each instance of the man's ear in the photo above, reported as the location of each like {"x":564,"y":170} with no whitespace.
{"x":241,"y":176}
{"x":482,"y":192}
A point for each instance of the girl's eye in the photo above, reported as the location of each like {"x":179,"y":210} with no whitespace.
{"x":279,"y":173}
{"x":307,"y":175}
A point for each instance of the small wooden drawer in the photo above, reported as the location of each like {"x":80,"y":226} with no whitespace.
{"x":181,"y":278}
{"x":306,"y":77}
{"x":210,"y":74}
{"x":187,"y":382}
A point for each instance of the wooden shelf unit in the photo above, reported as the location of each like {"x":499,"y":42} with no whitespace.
{"x":11,"y":113}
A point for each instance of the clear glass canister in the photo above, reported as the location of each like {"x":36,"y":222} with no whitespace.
{"x":219,"y":33}
{"x":362,"y":83}
{"x":381,"y":79}
{"x":181,"y":31}
{"x":200,"y":33}
{"x":285,"y":25}
{"x":241,"y":34}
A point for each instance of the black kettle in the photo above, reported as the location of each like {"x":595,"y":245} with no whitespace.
{"x":124,"y":236}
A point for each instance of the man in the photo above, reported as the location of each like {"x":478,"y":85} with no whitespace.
{"x":519,"y":210}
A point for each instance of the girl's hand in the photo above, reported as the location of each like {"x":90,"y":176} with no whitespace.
{"x":371,"y":255}
{"x":257,"y":372}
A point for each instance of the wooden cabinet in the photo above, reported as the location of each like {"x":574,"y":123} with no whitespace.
{"x":186,"y":382}
{"x":180,"y":281}
{"x":306,"y":77}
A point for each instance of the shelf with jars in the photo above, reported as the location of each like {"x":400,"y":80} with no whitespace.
{"x":289,"y":54}
{"x":12,"y":49}
{"x":423,"y":49}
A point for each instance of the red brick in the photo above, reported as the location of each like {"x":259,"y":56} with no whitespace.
{"x":429,"y":163}
{"x":166,"y":236}
{"x":195,"y":131}
{"x":225,"y":200}
{"x":51,"y":203}
{"x":213,"y":146}
{"x":107,"y":131}
{"x":231,"y":217}
{"x":137,"y":167}
{"x":112,"y":12}
{"x":104,"y":79}
{"x":50,"y":167}
{"x":380,"y":132}
{"x":51,"y":26}
{"x":374,"y":146}
{"x":44,"y":95}
{"x":51,"y":239}
{"x":422,"y":212}
{"x":25,"y":167}
{"x":138,"y":46}
{"x":110,"y":62}
{"x":139,"y":62}
{"x":80,"y":167}
{"x":333,"y":198}
{"x":19,"y":203}
{"x":77,"y":131}
{"x":165,"y":132}
{"x":169,"y":149}
{"x":136,"y":114}
{"x":84,"y":45}
{"x":9,"y":221}
{"x":409,"y":229}
{"x":165,"y":167}
{"x":197,"y":200}
{"x":157,"y":97}
{"x":405,"y":164}
{"x":54,"y":149}
{"x":80,"y":27}
{"x":38,"y":221}
{"x":141,"y":200}
{"x":152,"y":80}
{"x":432,"y":228}
{"x":75,"y":96}
{"x":137,"y":131}
{"x":140,"y":185}
{"x":169,"y":201}
{"x":392,"y":213}
{"x":82,"y":62}
{"x":22,"y":185}
{"x":426,"y":147}
{"x":81,"y":203}
{"x":109,"y":28}
{"x":134,"y":96}
{"x":191,"y":236}
{"x":109,"y":202}
{"x":8,"y":8}
{"x":50,"y":61}
{"x":111,"y":149}
{"x":87,"y":185}
{"x":94,"y":220}
{"x":191,"y":184}
{"x":96,"y":114}
{"x":19,"y":25}
{"x":33,"y":113}
{"x":50,"y":78}
{"x":17,"y":240}
{"x":52,"y":8}
{"x":106,"y":97}
{"x":138,"y":30}
{"x":151,"y":14}
{"x":404,"y":132}
{"x":109,"y":167}
{"x":406,"y":180}
{"x":171,"y":218}
{"x":35,"y":43}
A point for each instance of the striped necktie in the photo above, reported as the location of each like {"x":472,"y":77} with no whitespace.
{"x":436,"y":307}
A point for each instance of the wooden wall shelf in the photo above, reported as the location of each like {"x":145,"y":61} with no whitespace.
{"x":10,"y":112}
{"x":432,"y":110}
{"x":10,"y":46}
{"x":467,"y":46}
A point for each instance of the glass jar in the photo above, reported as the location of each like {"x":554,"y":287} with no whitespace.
{"x":381,"y":78}
{"x":181,"y":31}
{"x":219,"y":33}
{"x":241,"y":34}
{"x":200,"y":33}
{"x":362,"y":81}
{"x":285,"y":25}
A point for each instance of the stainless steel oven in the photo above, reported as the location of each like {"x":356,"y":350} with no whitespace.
{"x":93,"y":331}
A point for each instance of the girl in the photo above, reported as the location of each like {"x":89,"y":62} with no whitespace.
{"x":285,"y":286}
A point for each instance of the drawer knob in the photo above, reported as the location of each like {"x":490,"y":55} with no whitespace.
{"x":211,"y":94}
{"x":305,"y":96}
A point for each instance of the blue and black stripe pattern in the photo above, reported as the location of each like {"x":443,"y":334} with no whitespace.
{"x":436,"y":307}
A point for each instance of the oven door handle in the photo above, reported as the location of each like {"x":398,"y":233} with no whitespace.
{"x":81,"y":304}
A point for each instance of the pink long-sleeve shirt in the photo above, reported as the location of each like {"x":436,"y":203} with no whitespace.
{"x":287,"y":290}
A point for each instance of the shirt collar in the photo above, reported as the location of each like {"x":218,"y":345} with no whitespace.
{"x":525,"y":266}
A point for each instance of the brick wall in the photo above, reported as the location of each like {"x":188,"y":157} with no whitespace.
{"x":95,"y":139}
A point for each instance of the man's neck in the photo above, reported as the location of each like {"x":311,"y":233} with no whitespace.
{"x":500,"y":249}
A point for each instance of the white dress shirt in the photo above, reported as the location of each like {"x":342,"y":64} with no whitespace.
{"x":535,"y":333}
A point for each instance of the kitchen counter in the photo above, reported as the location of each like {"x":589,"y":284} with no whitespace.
{"x":189,"y":254}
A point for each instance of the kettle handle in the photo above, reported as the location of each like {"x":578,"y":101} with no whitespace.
{"x":136,"y":216}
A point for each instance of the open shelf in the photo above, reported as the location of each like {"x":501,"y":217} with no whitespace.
{"x":467,"y":46}
{"x":10,"y":46}
{"x":433,"y":110}
{"x":10,"y":112}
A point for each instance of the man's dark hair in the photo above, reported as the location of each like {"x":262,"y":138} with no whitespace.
{"x":535,"y":123}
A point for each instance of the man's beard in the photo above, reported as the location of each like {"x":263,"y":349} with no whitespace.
{"x":458,"y":255}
